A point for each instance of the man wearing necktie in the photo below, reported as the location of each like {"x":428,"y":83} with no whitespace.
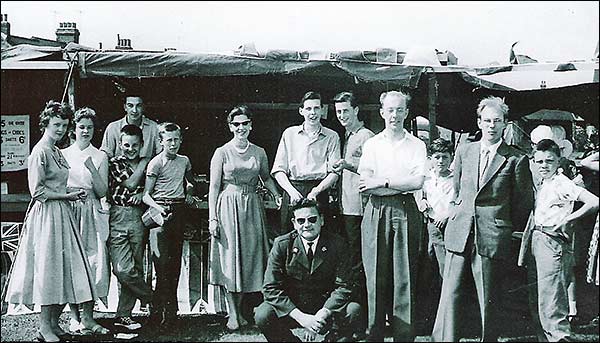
{"x":307,"y":282}
{"x":493,"y":198}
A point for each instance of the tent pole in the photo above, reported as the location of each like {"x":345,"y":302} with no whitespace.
{"x":69,"y":91}
{"x":432,"y":100}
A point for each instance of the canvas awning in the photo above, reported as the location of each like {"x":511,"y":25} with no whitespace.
{"x":170,"y":64}
{"x":533,"y":76}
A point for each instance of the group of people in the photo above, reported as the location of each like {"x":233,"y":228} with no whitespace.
{"x":86,"y":213}
{"x":347,"y":283}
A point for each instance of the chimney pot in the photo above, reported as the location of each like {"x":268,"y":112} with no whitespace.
{"x":5,"y":24}
{"x":67,"y":33}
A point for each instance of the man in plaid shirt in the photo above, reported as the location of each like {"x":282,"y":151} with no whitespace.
{"x":128,"y":236}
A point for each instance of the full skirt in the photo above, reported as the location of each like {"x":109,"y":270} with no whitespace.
{"x":238,"y":257}
{"x":93,"y":227}
{"x":50,"y":266}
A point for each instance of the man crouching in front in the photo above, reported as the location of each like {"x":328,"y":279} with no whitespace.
{"x":307,"y":283}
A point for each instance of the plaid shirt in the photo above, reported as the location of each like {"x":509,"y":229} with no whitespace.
{"x":119,"y":171}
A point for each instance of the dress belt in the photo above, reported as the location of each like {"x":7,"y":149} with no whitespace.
{"x":88,"y":191}
{"x":244,"y":188}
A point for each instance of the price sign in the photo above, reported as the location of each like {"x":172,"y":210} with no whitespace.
{"x":15,"y":142}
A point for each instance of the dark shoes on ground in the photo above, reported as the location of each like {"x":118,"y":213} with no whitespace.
{"x":336,"y":336}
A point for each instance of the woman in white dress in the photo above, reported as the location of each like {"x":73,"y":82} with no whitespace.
{"x":50,"y":267}
{"x":89,"y":173}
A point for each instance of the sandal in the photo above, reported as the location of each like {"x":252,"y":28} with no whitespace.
{"x":95,"y":330}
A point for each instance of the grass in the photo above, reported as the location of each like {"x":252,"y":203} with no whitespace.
{"x":208,"y":328}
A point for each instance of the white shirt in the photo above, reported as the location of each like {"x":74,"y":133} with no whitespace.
{"x":314,"y":246}
{"x":555,"y":200}
{"x":387,"y":158}
{"x":438,"y":191}
{"x":79,"y":175}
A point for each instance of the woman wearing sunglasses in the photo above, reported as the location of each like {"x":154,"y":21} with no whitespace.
{"x":239,"y":248}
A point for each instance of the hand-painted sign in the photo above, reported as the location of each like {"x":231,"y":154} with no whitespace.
{"x":15,"y":142}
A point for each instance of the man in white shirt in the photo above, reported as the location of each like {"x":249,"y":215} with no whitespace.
{"x":493,"y":197}
{"x":303,"y":164}
{"x":392,"y":166}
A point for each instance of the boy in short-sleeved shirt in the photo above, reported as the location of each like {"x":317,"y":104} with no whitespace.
{"x":165,"y":190}
{"x":551,"y":232}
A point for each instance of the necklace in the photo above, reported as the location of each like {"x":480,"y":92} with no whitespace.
{"x":243,"y":150}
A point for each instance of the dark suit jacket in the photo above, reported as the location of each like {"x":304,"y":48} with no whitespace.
{"x":501,"y":204}
{"x":289,"y":284}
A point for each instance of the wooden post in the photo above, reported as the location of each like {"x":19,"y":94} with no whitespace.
{"x":71,"y":92}
{"x":432,"y":100}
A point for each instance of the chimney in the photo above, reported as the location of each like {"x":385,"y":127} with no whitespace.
{"x":67,"y":33}
{"x":123,"y":44}
{"x":5,"y":24}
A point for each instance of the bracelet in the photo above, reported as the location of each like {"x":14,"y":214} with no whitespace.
{"x":213,"y":219}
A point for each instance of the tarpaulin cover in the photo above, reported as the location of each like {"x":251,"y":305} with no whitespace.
{"x":149,"y":65}
{"x":25,"y":52}
{"x":533,"y":76}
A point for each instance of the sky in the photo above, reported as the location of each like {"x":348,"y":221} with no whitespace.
{"x":476,"y":32}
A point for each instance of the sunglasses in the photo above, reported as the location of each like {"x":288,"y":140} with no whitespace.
{"x":311,"y":220}
{"x":238,"y":123}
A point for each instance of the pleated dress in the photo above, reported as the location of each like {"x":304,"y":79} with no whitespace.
{"x":50,"y":266}
{"x":91,"y":218}
{"x":238,"y":258}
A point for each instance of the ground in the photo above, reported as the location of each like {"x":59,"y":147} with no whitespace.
{"x":207,"y":328}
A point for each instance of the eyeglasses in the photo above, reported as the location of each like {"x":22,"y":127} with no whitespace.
{"x":311,"y":220}
{"x":495,"y":121}
{"x":238,"y":123}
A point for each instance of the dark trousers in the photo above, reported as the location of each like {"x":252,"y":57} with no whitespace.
{"x":487,"y":274}
{"x":304,"y":187}
{"x":359,"y":283}
{"x":393,"y":239}
{"x":166,"y":244}
{"x":277,"y":329}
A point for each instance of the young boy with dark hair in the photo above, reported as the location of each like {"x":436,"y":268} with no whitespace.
{"x":165,"y":190}
{"x":548,"y":236}
{"x":128,"y":236}
{"x":438,"y":191}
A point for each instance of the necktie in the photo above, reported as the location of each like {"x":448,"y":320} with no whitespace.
{"x":485,"y":156}
{"x":310,"y":255}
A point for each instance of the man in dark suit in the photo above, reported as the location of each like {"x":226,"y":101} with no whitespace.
{"x":307,"y":282}
{"x":493,"y":198}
